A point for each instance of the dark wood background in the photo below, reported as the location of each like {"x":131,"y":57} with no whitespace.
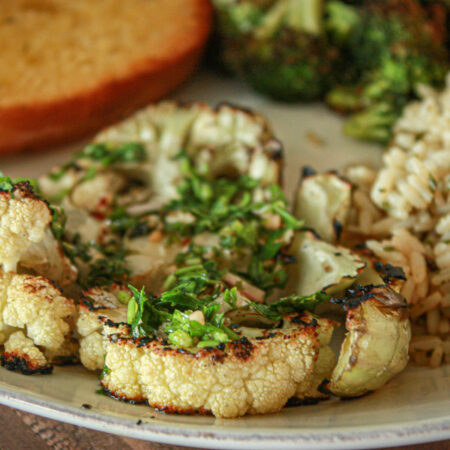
{"x":20,"y":430}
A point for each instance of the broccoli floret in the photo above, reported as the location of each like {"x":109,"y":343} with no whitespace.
{"x":389,"y":47}
{"x":278,"y":46}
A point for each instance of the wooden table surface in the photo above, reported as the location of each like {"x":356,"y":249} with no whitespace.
{"x":20,"y":430}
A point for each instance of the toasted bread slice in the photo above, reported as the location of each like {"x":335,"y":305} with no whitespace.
{"x":69,"y":67}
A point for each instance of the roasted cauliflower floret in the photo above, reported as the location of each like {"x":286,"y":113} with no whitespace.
{"x":24,"y":221}
{"x":101,"y":312}
{"x":253,"y":375}
{"x":375,"y":348}
{"x":321,"y":266}
{"x":38,"y":308}
{"x":20,"y":353}
{"x":230,"y":140}
{"x":323,"y":202}
{"x":311,"y":389}
{"x":33,"y":302}
{"x":135,"y":161}
{"x":29,"y":232}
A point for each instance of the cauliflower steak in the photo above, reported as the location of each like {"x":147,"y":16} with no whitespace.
{"x":196,"y":290}
{"x":249,"y":376}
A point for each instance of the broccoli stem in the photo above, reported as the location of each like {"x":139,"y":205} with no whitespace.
{"x":374,"y":123}
{"x":305,"y":15}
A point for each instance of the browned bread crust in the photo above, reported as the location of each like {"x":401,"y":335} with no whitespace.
{"x":47,"y":122}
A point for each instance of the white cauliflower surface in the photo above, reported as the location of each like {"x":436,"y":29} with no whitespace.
{"x":323,"y":202}
{"x":249,"y":376}
{"x":24,"y":221}
{"x":100,"y":313}
{"x":45,"y":317}
{"x":230,"y":140}
{"x":26,"y":239}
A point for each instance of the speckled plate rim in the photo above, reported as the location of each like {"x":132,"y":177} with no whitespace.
{"x":358,"y":437}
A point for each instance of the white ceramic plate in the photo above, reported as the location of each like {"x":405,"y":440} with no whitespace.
{"x":412,"y":408}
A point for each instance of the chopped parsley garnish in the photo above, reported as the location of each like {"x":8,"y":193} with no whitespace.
{"x":142,"y":315}
{"x":105,"y":371}
{"x":199,"y":287}
{"x":254,"y":228}
{"x":121,"y":222}
{"x":110,"y":268}
{"x":191,"y":288}
{"x":58,"y":221}
{"x":106,"y":271}
{"x":6,"y":184}
{"x":289,"y":305}
{"x":229,"y":209}
{"x":76,"y":249}
{"x":105,"y":154}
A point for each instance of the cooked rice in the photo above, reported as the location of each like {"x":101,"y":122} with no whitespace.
{"x":405,"y":209}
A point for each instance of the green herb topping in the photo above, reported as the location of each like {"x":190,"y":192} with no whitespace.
{"x":229,"y":210}
{"x":104,"y":154}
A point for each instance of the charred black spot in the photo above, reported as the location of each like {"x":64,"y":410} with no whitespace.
{"x":277,"y":152}
{"x":144,"y":341}
{"x":299,"y":321}
{"x":24,"y":366}
{"x":266,"y":336}
{"x":139,"y":422}
{"x":293,"y":401}
{"x":323,"y":387}
{"x":242,"y":348}
{"x":183,"y":351}
{"x":354,"y":296}
{"x":110,"y":323}
{"x":86,"y":406}
{"x":338,"y":227}
{"x":387,"y":271}
{"x":286,"y":258}
{"x":89,"y":303}
{"x":307,"y":171}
